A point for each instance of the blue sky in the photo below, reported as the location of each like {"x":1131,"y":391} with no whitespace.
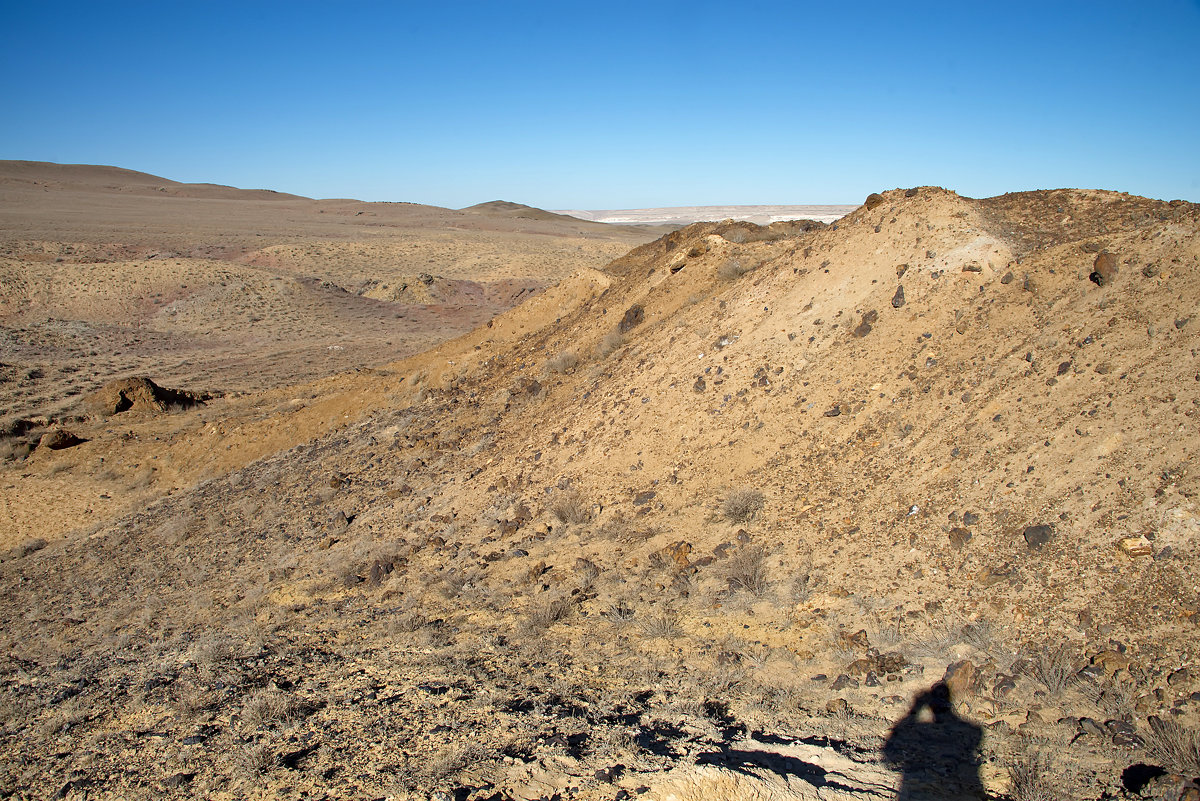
{"x":611,"y":105}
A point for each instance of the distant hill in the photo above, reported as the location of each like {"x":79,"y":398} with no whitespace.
{"x":101,"y":178}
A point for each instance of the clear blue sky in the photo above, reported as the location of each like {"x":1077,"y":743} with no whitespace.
{"x":614,"y":104}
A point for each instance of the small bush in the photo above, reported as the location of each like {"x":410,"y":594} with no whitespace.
{"x":571,"y":507}
{"x":742,"y":505}
{"x":562,"y":363}
{"x":661,"y":624}
{"x":1029,"y":778}
{"x":747,"y":570}
{"x":1053,"y":667}
{"x":610,"y":343}
{"x":731,"y":270}
{"x":546,"y":613}
{"x":1178,"y":748}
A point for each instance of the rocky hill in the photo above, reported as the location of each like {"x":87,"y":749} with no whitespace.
{"x":797,"y":511}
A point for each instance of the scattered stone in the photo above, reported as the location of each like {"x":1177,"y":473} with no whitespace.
{"x":838,"y":706}
{"x":1007,"y":278}
{"x":970,"y":518}
{"x":1091,"y":247}
{"x":1179,"y":677}
{"x":1150,"y":270}
{"x":1063,"y":368}
{"x":634,"y":316}
{"x":1039,"y":535}
{"x":678,"y":553}
{"x":874,"y":199}
{"x":1181,"y":322}
{"x":140,"y":394}
{"x":700,"y":385}
{"x":959,"y":536}
{"x":898,"y":298}
{"x":1104,"y":269}
{"x":864,"y":327}
{"x":643,"y":498}
{"x":1111,"y":661}
{"x":1136,"y":546}
{"x":842,"y":682}
{"x":834,"y":412}
{"x":911,"y":192}
{"x":59,"y":439}
{"x":973,"y":267}
{"x":962,"y":679}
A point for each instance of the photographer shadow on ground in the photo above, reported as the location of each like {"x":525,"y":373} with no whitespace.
{"x":936,"y":751}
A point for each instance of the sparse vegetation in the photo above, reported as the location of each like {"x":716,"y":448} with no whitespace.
{"x":731,"y":270}
{"x":610,"y":343}
{"x":747,"y":570}
{"x":1053,"y":666}
{"x":571,"y":507}
{"x":742,"y":505}
{"x":1029,"y":777}
{"x":564,"y":362}
{"x":1176,"y":746}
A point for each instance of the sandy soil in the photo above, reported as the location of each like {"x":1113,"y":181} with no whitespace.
{"x":792,"y":512}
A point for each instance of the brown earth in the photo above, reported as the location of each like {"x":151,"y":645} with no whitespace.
{"x":798,"y":512}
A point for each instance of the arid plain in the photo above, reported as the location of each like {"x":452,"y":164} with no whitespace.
{"x":497,"y":504}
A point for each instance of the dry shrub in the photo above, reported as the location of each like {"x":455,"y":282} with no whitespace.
{"x":1177,"y":747}
{"x":1053,"y":667}
{"x":742,"y":505}
{"x":661,"y":624}
{"x":265,"y":708}
{"x":564,"y":362}
{"x":255,"y":759}
{"x":546,"y":613}
{"x":731,"y":270}
{"x":1029,"y":777}
{"x":571,"y":507}
{"x":610,"y":343}
{"x":747,"y":570}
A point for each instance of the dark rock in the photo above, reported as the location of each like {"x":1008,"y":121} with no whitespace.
{"x":959,"y":536}
{"x":1007,"y":278}
{"x":634,"y":316}
{"x":864,"y":327}
{"x":1181,"y":322}
{"x":1039,"y":535}
{"x":1104,"y":269}
{"x":874,"y":199}
{"x":898,"y":298}
{"x":843,"y":681}
{"x":643,"y":498}
{"x":834,"y":412}
{"x":1063,"y":368}
{"x":700,"y":385}
{"x":1091,"y":247}
{"x":59,"y":439}
{"x":891,"y":662}
{"x":871,"y":680}
{"x":1179,"y":677}
{"x":1150,"y":270}
{"x":911,"y":192}
{"x":970,"y":518}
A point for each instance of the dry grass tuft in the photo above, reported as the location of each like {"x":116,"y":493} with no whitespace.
{"x":571,"y":507}
{"x":1030,"y":779}
{"x":747,"y":570}
{"x":544,"y":614}
{"x":564,"y":362}
{"x":731,"y":270}
{"x":1053,"y":667}
{"x":742,"y":505}
{"x":1177,"y":747}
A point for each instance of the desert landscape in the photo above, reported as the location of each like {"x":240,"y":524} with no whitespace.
{"x":330,"y":499}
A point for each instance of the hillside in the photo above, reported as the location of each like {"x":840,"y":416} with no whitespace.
{"x":108,"y":273}
{"x":700,"y":524}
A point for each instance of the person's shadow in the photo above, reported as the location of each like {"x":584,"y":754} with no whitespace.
{"x":936,"y":751}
